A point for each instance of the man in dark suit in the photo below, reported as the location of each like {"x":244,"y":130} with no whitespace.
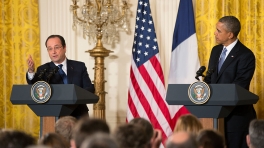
{"x":232,"y":62}
{"x":74,"y":72}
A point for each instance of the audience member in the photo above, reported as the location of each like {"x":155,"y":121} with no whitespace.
{"x":188,"y":123}
{"x":64,"y":126}
{"x":99,"y":140}
{"x":181,"y":139}
{"x":255,"y":138}
{"x":130,"y":136}
{"x":85,"y":127}
{"x":210,"y":139}
{"x":153,"y":135}
{"x":38,"y":146}
{"x":15,"y":139}
{"x":146,"y":126}
{"x":54,"y":140}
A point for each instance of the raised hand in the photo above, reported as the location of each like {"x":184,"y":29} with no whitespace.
{"x":31,"y":65}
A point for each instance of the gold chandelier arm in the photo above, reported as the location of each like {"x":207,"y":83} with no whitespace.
{"x":75,"y":7}
{"x":99,"y":5}
{"x":124,"y":8}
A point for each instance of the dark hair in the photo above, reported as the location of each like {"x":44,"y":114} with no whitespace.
{"x":88,"y":126}
{"x":130,"y":136}
{"x":232,"y":24}
{"x":146,"y":126}
{"x":63,"y":43}
{"x":54,"y":140}
{"x":15,"y":139}
{"x":256,"y":133}
{"x":210,"y":139}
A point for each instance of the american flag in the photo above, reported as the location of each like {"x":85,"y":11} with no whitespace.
{"x":146,"y":96}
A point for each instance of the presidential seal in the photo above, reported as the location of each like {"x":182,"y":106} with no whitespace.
{"x":199,"y":92}
{"x":40,"y":92}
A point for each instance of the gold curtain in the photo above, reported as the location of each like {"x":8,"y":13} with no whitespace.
{"x":251,"y":15}
{"x":19,"y":30}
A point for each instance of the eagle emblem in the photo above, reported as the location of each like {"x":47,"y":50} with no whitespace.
{"x":199,"y":92}
{"x":40,"y":92}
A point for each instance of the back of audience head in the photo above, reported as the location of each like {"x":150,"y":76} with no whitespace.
{"x":130,"y":136}
{"x":188,"y":123}
{"x":15,"y":139}
{"x":210,"y":139}
{"x":54,"y":140}
{"x":146,"y":126}
{"x":99,"y":140}
{"x":64,"y":126}
{"x":86,"y":127}
{"x":154,"y":136}
{"x":181,"y":139}
{"x":255,"y":138}
{"x":38,"y":146}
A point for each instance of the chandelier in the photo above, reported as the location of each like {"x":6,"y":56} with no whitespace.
{"x":102,"y":20}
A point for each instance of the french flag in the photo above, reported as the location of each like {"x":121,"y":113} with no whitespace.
{"x":184,"y":57}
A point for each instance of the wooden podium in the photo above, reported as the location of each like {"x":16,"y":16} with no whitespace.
{"x":64,"y":99}
{"x":223,"y":99}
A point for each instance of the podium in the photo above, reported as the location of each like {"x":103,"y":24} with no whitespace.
{"x":223,"y":99}
{"x":63,"y":100}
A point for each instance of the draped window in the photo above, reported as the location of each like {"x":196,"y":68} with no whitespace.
{"x":19,"y":37}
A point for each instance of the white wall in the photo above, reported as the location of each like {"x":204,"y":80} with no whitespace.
{"x":55,"y":18}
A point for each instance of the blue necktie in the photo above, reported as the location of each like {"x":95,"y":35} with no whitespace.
{"x":62,"y":74}
{"x":222,"y":59}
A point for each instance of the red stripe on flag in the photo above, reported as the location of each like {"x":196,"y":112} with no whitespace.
{"x":145,"y":103}
{"x":156,"y":95}
{"x":156,"y":63}
{"x":132,"y":106}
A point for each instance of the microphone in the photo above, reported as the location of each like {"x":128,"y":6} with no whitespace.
{"x":52,"y":72}
{"x":200,"y":72}
{"x":41,"y":73}
{"x":209,"y":72}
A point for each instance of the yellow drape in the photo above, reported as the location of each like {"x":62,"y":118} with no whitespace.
{"x":19,"y":30}
{"x":251,"y":15}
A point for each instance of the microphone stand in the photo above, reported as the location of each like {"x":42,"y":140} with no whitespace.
{"x":51,"y":73}
{"x":197,"y":77}
{"x":41,"y":73}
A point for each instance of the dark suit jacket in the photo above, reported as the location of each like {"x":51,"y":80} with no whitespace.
{"x":76,"y":74}
{"x":238,"y":68}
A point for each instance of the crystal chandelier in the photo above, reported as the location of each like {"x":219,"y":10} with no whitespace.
{"x":102,"y":20}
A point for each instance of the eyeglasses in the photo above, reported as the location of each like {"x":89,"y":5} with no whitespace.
{"x":55,"y":48}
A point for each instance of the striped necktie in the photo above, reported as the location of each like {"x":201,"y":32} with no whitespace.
{"x":222,"y":59}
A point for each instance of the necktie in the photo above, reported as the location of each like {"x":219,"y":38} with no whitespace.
{"x":62,"y":74}
{"x":222,"y":59}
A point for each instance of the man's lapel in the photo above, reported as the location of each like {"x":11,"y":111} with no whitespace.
{"x":230,"y":58}
{"x":70,"y":71}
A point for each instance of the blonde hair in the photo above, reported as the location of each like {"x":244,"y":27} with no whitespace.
{"x":188,"y":123}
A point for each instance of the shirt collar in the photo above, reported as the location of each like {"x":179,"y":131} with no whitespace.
{"x":230,"y":47}
{"x":64,"y":67}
